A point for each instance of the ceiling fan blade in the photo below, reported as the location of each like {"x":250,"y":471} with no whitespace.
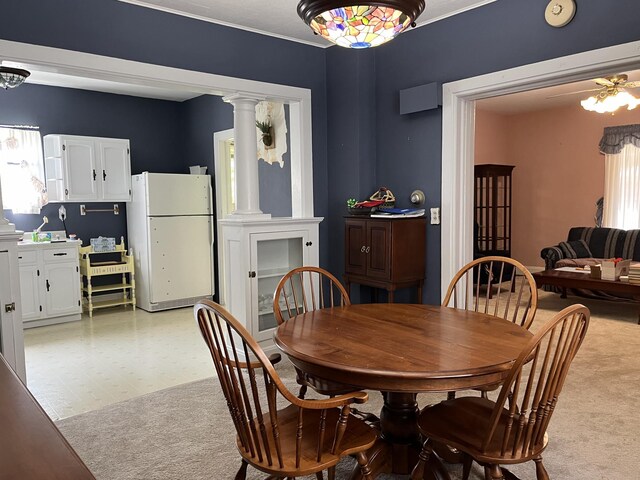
{"x":605,"y":82}
{"x":631,"y":85}
{"x":574,"y":93}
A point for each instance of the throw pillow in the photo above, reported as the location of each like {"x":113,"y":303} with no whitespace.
{"x":575,"y":249}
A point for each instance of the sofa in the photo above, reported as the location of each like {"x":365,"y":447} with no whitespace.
{"x":589,"y":245}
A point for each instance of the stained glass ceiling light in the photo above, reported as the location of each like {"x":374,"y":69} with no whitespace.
{"x":12,"y":77}
{"x":359,"y":26}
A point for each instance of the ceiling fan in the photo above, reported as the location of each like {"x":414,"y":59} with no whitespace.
{"x":607,"y":85}
{"x":611,"y":94}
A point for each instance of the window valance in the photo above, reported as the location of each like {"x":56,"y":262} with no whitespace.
{"x":615,"y":138}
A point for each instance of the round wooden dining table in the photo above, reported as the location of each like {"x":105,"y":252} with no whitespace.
{"x":401,"y":350}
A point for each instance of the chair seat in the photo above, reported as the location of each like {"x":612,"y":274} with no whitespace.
{"x":358,"y":437}
{"x":322,"y":386}
{"x":463,"y":422}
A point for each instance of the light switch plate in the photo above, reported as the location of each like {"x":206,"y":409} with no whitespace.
{"x":435,"y":216}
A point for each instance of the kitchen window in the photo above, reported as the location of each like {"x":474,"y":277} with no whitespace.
{"x":22,"y":169}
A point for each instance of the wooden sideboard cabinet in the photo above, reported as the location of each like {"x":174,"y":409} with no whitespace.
{"x":385,"y":253}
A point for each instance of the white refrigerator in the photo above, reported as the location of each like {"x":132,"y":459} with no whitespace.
{"x":170,"y":229}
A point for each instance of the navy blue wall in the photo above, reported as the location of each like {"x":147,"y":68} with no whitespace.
{"x":350,"y":89}
{"x":152,"y":126}
{"x":131,"y":32}
{"x":352,"y":142}
{"x":494,"y":37}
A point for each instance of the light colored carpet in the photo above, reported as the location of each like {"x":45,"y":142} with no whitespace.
{"x":185,"y":432}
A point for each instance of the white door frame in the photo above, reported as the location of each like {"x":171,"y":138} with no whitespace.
{"x":458,"y":126}
{"x":69,"y":62}
{"x":220,"y":167}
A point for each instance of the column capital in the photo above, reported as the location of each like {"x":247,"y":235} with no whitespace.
{"x":243,"y":97}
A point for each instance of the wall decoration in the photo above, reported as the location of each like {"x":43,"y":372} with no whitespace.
{"x":271,"y":132}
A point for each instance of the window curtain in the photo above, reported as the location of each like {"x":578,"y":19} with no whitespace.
{"x":621,"y":148}
{"x":22,"y":170}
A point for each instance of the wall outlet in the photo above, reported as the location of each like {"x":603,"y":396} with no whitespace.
{"x":435,"y":216}
{"x":62,"y":213}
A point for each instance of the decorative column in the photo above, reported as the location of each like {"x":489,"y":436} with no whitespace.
{"x":246,"y":155}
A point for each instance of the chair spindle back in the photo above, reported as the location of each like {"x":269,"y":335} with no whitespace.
{"x":252,"y":401}
{"x":492,"y":285}
{"x":531,"y":390}
{"x":305,"y":289}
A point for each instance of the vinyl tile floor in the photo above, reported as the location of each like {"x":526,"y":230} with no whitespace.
{"x":120,"y":354}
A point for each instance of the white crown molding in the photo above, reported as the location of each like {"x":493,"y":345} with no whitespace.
{"x":454,"y":12}
{"x":225,"y":24}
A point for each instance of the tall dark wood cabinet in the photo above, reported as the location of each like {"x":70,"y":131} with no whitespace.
{"x":386,"y":253}
{"x":492,"y":206}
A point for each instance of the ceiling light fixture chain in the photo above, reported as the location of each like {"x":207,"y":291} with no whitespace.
{"x":361,"y":25}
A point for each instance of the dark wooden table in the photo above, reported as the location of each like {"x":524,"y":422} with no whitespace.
{"x":582,"y":280}
{"x":31,"y":447}
{"x":401,"y":350}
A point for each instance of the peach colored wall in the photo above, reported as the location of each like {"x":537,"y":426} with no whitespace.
{"x":559,"y":172}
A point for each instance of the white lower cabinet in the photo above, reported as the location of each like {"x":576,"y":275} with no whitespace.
{"x":257,"y":254}
{"x":49,"y":283}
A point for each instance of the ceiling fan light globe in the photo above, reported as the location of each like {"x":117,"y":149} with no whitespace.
{"x":610,"y":103}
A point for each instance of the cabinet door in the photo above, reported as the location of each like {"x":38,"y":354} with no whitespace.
{"x":355,"y":247}
{"x":378,"y":258}
{"x":272,"y":256}
{"x":29,"y":292}
{"x":80,"y":169}
{"x":115,"y":169}
{"x":62,"y":289}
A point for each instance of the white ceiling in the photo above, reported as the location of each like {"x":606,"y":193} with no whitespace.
{"x":279,"y":18}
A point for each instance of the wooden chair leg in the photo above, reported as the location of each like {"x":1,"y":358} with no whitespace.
{"x":302,"y":392}
{"x":451,"y":395}
{"x":242,"y":473}
{"x":487,"y":473}
{"x":541,"y":472}
{"x":365,"y":468}
{"x":467,"y":461}
{"x":319,"y":476}
{"x":331,"y":473}
{"x":496,"y":472}
{"x":483,"y":394}
{"x":418,"y":471}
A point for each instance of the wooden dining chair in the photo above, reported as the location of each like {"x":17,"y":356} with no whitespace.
{"x":302,"y":290}
{"x":490,"y":285}
{"x":502,"y":295}
{"x":510,"y":432}
{"x":302,"y":438}
{"x":305,"y":289}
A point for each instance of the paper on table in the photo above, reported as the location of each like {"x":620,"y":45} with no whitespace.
{"x":573,"y":269}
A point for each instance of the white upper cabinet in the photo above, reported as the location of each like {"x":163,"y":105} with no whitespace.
{"x":116,"y":169}
{"x":87,"y":169}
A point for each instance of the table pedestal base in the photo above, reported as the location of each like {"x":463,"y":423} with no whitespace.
{"x":399,"y":444}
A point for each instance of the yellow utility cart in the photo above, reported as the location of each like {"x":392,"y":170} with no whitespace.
{"x":117,"y":263}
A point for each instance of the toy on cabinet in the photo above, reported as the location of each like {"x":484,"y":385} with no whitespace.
{"x":115,"y":263}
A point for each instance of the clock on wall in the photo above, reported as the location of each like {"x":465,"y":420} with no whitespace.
{"x":560,"y":12}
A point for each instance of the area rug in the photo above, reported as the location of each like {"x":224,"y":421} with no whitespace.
{"x":185,"y":432}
